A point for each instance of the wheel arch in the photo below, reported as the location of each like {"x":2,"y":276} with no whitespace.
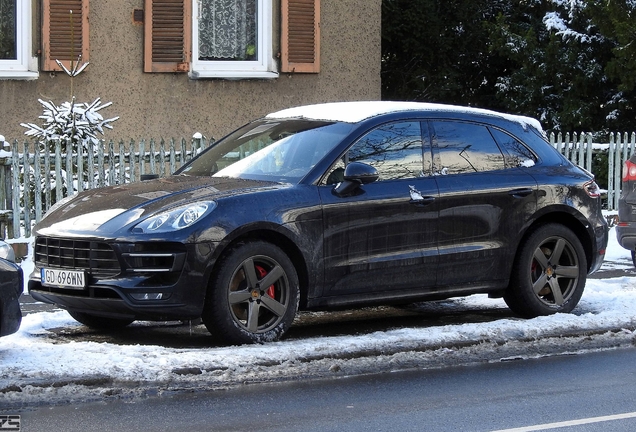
{"x":568,"y":220}
{"x":277,"y":238}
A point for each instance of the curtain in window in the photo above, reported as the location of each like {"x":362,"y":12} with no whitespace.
{"x":227,"y":30}
{"x":7,"y":30}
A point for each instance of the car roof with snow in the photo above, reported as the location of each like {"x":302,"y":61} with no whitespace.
{"x":354,"y":112}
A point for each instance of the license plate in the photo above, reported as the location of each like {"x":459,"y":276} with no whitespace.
{"x":63,"y":278}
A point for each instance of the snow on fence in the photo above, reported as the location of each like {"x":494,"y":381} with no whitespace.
{"x":32,"y":180}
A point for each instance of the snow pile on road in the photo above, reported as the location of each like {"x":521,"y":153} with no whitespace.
{"x":31,"y":362}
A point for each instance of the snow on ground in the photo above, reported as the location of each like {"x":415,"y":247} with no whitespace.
{"x":35,"y":367}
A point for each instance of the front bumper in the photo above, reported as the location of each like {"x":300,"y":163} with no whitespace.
{"x":162,"y":281}
{"x":11,"y":286}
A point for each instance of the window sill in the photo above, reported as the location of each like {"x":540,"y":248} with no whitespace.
{"x":232,"y":75}
{"x":18,"y":75}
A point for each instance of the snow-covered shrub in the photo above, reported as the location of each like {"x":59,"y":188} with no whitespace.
{"x":73,"y":127}
{"x":71,"y":123}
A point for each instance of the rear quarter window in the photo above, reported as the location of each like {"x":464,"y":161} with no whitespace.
{"x":516,"y":154}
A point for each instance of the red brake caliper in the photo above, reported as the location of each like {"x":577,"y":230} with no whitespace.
{"x":261,"y":274}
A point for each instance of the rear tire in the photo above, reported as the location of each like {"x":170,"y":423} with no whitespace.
{"x":253,"y":296}
{"x":634,"y":258}
{"x":549,"y":273}
{"x":98,"y":322}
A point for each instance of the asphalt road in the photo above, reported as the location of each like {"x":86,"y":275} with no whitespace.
{"x":590,"y":392}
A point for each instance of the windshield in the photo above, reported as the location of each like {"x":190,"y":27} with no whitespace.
{"x":277,"y":150}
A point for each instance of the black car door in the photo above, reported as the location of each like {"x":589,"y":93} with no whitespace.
{"x":486,"y":196}
{"x":383,"y":236}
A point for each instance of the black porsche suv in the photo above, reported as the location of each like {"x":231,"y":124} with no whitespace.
{"x":330,"y":206}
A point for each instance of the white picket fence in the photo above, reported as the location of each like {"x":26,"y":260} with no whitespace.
{"x":27,"y":173}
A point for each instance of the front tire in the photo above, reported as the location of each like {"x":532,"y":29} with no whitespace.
{"x":549,"y":273}
{"x":253,"y":296}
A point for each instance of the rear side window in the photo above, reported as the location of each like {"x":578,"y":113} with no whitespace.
{"x":463,"y":148}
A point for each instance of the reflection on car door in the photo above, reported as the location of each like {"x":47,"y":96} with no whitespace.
{"x":383,"y":237}
{"x":484,"y":201}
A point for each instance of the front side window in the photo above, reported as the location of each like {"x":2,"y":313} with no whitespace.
{"x":232,"y":38}
{"x":394,"y":150}
{"x":15,"y":39}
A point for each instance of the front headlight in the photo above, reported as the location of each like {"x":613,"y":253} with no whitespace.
{"x":175,"y":219}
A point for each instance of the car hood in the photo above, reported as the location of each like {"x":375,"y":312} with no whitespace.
{"x":105,"y":211}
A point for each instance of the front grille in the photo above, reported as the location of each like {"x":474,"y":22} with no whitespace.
{"x":97,"y":258}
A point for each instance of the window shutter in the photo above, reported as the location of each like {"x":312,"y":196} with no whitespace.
{"x":167,"y":35}
{"x":300,"y":44}
{"x":61,"y":40}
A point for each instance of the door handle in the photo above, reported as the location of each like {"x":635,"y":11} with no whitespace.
{"x":418,"y":199}
{"x":520,"y":193}
{"x":423,"y":201}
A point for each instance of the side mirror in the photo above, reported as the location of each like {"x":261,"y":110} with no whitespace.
{"x":356,"y":174}
{"x":361,"y":173}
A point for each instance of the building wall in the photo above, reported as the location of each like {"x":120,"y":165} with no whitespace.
{"x":172,"y":105}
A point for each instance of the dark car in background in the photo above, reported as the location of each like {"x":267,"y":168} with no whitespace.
{"x":11,"y":287}
{"x":626,"y":227}
{"x":330,"y":206}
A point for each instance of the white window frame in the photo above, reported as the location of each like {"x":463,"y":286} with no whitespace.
{"x":25,"y":66}
{"x":264,"y":67}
